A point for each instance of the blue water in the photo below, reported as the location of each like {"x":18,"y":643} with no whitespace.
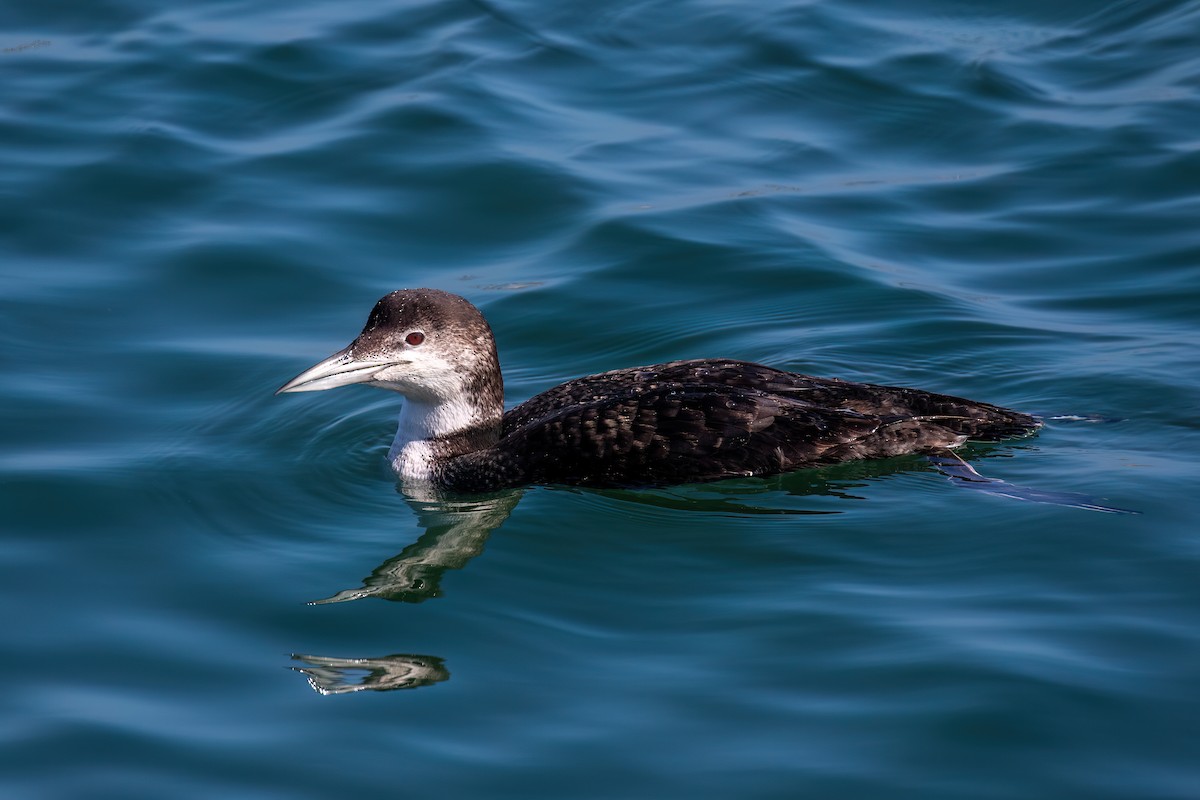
{"x":998,"y":200}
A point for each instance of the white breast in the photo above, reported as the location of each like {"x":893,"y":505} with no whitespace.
{"x":412,"y":461}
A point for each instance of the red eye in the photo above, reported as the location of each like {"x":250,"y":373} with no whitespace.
{"x":415,"y":338}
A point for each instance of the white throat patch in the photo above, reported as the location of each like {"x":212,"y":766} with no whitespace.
{"x":412,"y":454}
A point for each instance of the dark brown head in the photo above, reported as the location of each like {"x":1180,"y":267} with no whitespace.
{"x":429,"y":345}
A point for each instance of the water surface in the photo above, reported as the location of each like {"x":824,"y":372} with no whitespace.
{"x":997,"y":200}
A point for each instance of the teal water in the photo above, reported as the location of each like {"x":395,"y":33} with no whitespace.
{"x":998,"y":200}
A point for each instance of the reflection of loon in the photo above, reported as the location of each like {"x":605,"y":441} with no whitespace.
{"x":328,"y":675}
{"x":455,"y":532}
{"x":680,"y":422}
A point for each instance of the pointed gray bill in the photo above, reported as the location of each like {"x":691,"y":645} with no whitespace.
{"x":340,"y":369}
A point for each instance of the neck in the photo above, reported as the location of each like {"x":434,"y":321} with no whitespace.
{"x":431,"y":433}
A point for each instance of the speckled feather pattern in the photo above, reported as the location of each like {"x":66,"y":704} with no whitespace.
{"x":705,"y":420}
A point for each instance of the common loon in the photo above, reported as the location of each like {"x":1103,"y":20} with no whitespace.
{"x":679,"y":422}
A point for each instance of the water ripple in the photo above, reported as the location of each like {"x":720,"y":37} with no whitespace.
{"x":994,"y":200}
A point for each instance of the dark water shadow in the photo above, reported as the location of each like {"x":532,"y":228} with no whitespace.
{"x":772,"y":495}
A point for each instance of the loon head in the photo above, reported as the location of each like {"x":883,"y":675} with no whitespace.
{"x":433,"y":347}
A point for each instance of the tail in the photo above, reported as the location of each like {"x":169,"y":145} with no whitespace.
{"x":982,"y":422}
{"x":985,"y":424}
{"x":1006,"y":425}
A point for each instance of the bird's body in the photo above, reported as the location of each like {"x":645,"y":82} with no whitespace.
{"x":680,"y":422}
